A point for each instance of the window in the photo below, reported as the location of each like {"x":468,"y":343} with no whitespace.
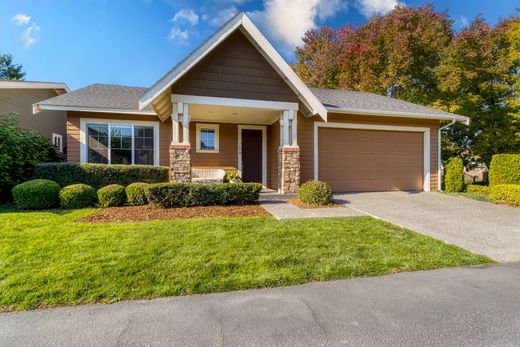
{"x":207,"y":138}
{"x":57,"y":140}
{"x":108,"y":143}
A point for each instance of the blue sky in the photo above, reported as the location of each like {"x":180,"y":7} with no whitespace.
{"x":134,"y":42}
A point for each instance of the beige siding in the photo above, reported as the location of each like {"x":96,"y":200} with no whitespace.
{"x":235,"y":69}
{"x":21,"y":100}
{"x":228,"y":148}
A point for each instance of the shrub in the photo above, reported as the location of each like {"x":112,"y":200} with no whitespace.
{"x":100,"y":175}
{"x":136,"y":193}
{"x":111,"y":195}
{"x":315,"y":193}
{"x":20,"y":150}
{"x":36,"y":195}
{"x":504,"y":169}
{"x":77,"y":196}
{"x":506,"y":193}
{"x":454,"y":176}
{"x":478,"y":189}
{"x":187,"y":194}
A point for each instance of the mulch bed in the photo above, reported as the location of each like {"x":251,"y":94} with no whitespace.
{"x":300,"y":204}
{"x":148,"y":213}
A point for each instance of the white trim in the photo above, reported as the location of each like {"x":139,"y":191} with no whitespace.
{"x":83,"y":131}
{"x":215,"y":128}
{"x":209,"y":100}
{"x":424,"y":130}
{"x":185,"y":123}
{"x":40,"y":107}
{"x":242,"y":22}
{"x":60,"y":137}
{"x":439,"y":153}
{"x":33,"y":85}
{"x":264,"y":149}
{"x":399,"y":114}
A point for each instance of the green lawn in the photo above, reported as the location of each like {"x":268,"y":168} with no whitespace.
{"x":474,"y":196}
{"x":47,"y":259}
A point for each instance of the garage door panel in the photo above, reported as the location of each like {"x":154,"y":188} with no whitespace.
{"x":370,"y":160}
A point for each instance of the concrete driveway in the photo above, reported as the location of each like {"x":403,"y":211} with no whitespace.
{"x":484,"y":228}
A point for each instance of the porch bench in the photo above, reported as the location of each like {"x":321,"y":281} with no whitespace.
{"x":208,"y":176}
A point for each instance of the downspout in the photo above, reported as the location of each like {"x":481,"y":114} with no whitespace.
{"x":439,"y":153}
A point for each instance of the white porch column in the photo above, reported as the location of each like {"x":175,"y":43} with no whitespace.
{"x":175,"y":124}
{"x":186,"y":125}
{"x":293,"y":116}
{"x":285,"y":128}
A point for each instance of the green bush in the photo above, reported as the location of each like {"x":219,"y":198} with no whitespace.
{"x":504,"y":169}
{"x":136,"y":193}
{"x":20,"y":150}
{"x":315,"y":193}
{"x":36,"y":195}
{"x":506,"y":193}
{"x":100,"y":175}
{"x":478,"y":189}
{"x":111,"y":195}
{"x":168,"y":195}
{"x":454,"y":176}
{"x":77,"y":196}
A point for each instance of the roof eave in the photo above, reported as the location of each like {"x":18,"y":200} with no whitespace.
{"x":458,"y":118}
{"x":41,"y":107}
{"x":33,"y":85}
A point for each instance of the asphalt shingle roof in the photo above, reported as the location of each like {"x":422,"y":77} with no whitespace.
{"x":110,"y":96}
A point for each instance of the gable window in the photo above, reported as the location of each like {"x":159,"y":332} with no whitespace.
{"x":119,"y":143}
{"x":207,"y":138}
{"x":57,"y":140}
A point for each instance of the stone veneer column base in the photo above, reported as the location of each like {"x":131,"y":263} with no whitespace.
{"x":180,"y":163}
{"x":288,"y":169}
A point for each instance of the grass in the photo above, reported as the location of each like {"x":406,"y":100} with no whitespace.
{"x":473,"y":196}
{"x":47,"y":259}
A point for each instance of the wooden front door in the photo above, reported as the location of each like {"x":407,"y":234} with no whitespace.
{"x":252,"y":155}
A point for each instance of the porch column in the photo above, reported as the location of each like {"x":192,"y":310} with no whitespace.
{"x":180,"y":153}
{"x":288,"y":155}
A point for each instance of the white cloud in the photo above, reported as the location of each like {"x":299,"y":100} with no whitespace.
{"x":287,"y":21}
{"x":372,"y":7}
{"x":221,"y":16}
{"x":462,"y":21}
{"x":177,"y":34}
{"x":186,"y":15}
{"x":28,"y":35}
{"x":21,"y":19}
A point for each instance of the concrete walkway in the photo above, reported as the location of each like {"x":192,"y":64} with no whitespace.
{"x":452,"y":307}
{"x":281,"y":209}
{"x":481,"y":227}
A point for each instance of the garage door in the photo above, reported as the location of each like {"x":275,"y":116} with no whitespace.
{"x":352,"y":160}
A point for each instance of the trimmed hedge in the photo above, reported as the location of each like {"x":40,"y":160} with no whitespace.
{"x":136,"y":193}
{"x":506,"y":193}
{"x":478,"y":189}
{"x":111,"y":195}
{"x":168,"y":195}
{"x":315,"y":193}
{"x":454,"y":176}
{"x":100,"y":175}
{"x":36,"y":195}
{"x":77,"y":196}
{"x":504,"y":169}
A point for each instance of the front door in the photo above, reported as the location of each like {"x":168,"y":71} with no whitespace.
{"x":251,"y":155}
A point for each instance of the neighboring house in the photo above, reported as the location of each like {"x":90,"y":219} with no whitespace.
{"x":19,"y":97}
{"x":234,"y":103}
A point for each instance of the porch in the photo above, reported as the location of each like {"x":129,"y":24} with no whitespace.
{"x":257,"y":138}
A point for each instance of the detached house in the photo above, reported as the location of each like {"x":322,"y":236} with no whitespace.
{"x":234,"y":103}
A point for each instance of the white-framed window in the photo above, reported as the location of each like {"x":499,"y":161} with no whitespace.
{"x":119,"y":142}
{"x":57,"y":140}
{"x":207,"y":138}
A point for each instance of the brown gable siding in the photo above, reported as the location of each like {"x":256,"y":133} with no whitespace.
{"x":306,"y":139}
{"x":235,"y":69}
{"x":21,"y":100}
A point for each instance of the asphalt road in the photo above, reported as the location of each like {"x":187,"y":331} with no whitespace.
{"x":454,"y":307}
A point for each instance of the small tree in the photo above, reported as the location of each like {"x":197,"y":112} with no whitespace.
{"x":8,"y":70}
{"x":20,"y":150}
{"x":454,"y":176}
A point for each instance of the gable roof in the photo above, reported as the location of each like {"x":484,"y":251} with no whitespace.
{"x":239,"y":22}
{"x":17,"y":84}
{"x":345,"y":101}
{"x":97,"y":97}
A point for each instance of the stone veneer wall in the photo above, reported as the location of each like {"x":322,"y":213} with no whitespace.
{"x":288,"y":169}
{"x":180,"y":163}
